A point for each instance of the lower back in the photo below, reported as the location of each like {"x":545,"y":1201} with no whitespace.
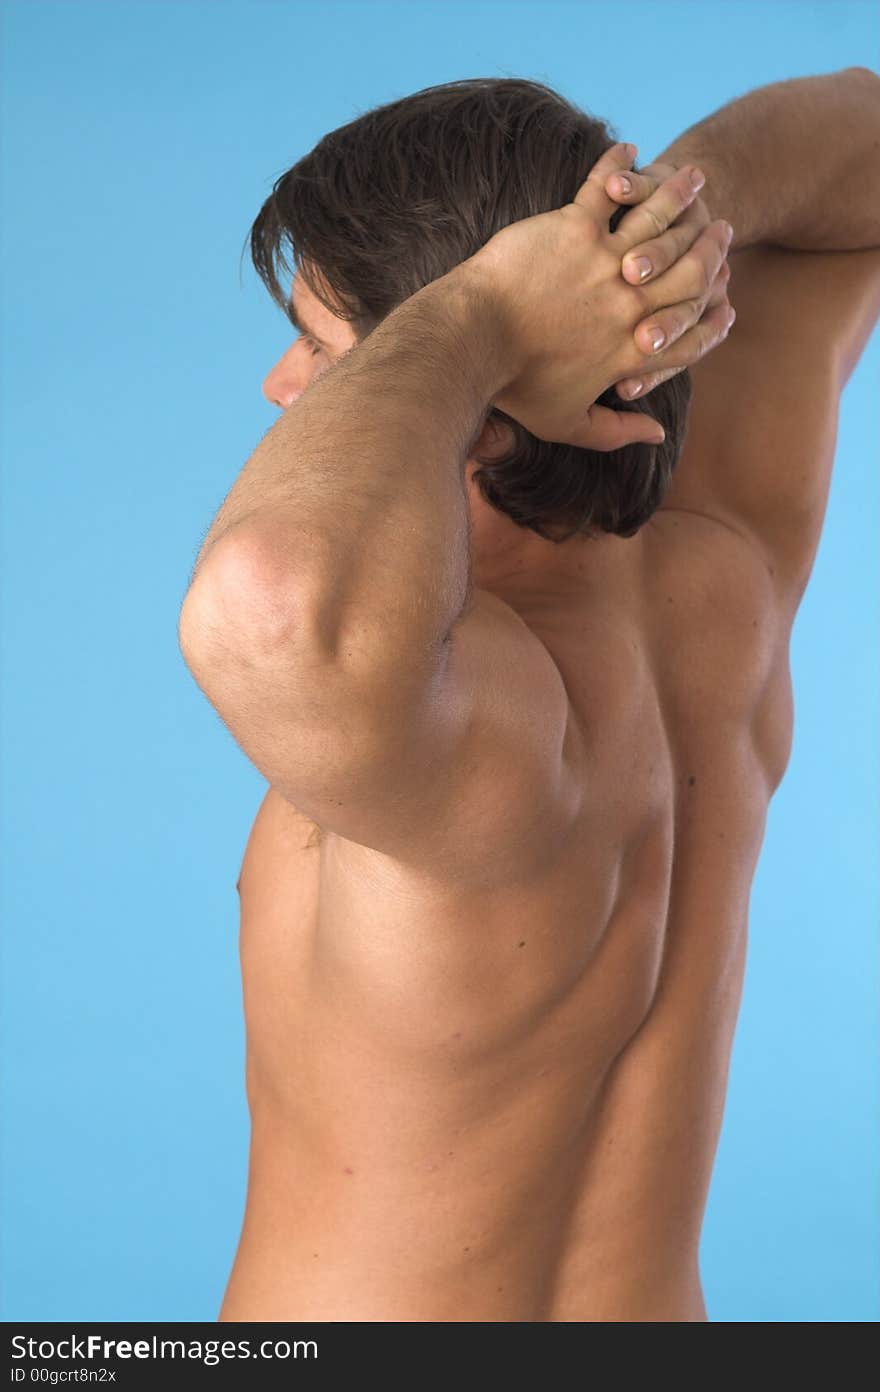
{"x":516,"y":1123}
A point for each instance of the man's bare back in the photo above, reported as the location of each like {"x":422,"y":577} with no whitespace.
{"x":507,"y":1107}
{"x":492,"y":976}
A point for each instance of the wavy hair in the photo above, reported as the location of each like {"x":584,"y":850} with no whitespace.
{"x":399,"y":196}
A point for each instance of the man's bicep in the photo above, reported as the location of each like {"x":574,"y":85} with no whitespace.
{"x":763,"y":422}
{"x":467,"y":774}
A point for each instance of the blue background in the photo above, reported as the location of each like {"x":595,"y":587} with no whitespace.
{"x":138,"y":142}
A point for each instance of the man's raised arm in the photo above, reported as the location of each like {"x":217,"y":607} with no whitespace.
{"x":794,"y":164}
{"x":795,"y":168}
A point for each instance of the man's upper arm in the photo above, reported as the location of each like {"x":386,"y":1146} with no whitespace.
{"x":763,"y":424}
{"x":468,"y":776}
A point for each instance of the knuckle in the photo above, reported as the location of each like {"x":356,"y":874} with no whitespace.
{"x":641,"y":306}
{"x":697,"y":311}
{"x":696,"y":275}
{"x":582,"y":226}
{"x":645,"y":301}
{"x":719,"y":333}
{"x":680,"y":238}
{"x":653,"y":218}
{"x":658,"y":224}
{"x":702,"y":280}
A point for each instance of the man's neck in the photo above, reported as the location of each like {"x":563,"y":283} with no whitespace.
{"x":512,"y":561}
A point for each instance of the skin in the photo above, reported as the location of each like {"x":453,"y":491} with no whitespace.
{"x":569,"y":1172}
{"x":498,"y":547}
{"x":503,"y":1103}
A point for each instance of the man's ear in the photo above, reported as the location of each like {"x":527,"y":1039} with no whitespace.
{"x":494,"y":441}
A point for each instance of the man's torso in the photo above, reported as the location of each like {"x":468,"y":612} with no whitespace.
{"x":505,"y":1105}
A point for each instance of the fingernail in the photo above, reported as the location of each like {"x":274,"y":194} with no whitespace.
{"x":624,"y":185}
{"x":635,"y":389}
{"x":658,"y":338}
{"x":641,"y":265}
{"x":698,"y":178}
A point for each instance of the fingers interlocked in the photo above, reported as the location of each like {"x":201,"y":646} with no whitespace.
{"x":657,"y":206}
{"x":678,"y":259}
{"x":678,"y":298}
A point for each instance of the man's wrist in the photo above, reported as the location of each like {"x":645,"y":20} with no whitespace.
{"x":468,"y":302}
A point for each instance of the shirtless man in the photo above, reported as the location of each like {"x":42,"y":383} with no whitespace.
{"x":494,"y":904}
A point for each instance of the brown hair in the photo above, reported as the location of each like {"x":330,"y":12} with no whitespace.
{"x":398,"y":197}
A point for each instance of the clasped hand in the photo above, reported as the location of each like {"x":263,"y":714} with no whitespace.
{"x":578,"y":320}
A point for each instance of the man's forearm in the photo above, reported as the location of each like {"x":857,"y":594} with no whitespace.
{"x":795,"y":164}
{"x":354,"y":502}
